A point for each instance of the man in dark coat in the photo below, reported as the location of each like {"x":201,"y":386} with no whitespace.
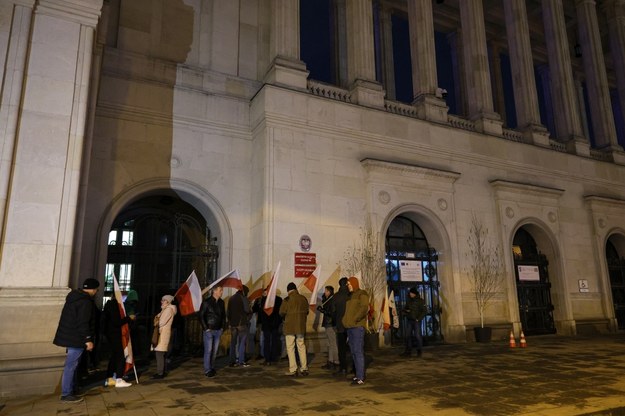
{"x":340,"y":300}
{"x":270,"y":327}
{"x":76,"y":332}
{"x":415,"y":310}
{"x":213,"y":320}
{"x":239,"y":313}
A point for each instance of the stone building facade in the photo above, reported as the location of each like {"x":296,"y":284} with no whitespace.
{"x":110,"y":104}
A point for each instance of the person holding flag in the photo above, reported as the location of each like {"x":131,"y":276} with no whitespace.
{"x":269,"y":324}
{"x":113,"y":322}
{"x":327,"y":308}
{"x":239,"y":314}
{"x":213,"y":320}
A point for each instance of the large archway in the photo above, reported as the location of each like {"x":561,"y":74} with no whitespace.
{"x":154,"y":244}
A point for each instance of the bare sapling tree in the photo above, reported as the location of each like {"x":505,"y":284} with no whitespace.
{"x":367,"y":257}
{"x":486,"y":271}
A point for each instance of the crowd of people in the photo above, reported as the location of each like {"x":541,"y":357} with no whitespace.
{"x":344,"y":319}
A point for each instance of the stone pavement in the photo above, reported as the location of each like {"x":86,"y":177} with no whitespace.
{"x":554,"y":375}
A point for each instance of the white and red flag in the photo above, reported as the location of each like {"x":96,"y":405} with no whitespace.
{"x":314,"y":281}
{"x":393,"y":308}
{"x":231,"y":279}
{"x":126,"y":343}
{"x":271,"y":291}
{"x":189,"y":296}
{"x":385,"y":312}
{"x":256,"y":288}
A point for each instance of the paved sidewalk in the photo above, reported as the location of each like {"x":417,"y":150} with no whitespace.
{"x":552,"y":376}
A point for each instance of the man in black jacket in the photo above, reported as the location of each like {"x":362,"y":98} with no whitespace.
{"x":415,"y":310}
{"x":340,"y":300}
{"x":270,"y":327}
{"x":76,"y":332}
{"x":213,"y":320}
{"x":239,"y":313}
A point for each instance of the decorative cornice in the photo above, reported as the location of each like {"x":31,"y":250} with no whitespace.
{"x":85,"y":12}
{"x":525,"y":188}
{"x":410,"y":171}
{"x":605,"y":200}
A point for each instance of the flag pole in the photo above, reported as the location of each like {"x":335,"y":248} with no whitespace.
{"x":135,"y":370}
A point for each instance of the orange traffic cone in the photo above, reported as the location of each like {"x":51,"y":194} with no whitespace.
{"x":512,"y":340}
{"x":523,"y":342}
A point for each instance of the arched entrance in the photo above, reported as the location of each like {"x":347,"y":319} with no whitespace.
{"x":410,"y":262}
{"x":531,"y":269}
{"x":614,"y":253}
{"x":154,"y":244}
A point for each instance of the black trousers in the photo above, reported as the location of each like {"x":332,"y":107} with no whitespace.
{"x":341,"y":344}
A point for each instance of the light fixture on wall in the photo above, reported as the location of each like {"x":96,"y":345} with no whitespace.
{"x":578,"y":50}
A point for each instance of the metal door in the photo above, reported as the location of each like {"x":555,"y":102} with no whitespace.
{"x":405,"y":242}
{"x":616,"y":271}
{"x":533,"y":286}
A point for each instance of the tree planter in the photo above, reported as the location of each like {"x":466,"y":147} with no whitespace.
{"x":483,"y":334}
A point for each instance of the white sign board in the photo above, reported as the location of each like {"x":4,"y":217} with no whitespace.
{"x":411,"y":270}
{"x":529,"y":273}
{"x":583,"y":285}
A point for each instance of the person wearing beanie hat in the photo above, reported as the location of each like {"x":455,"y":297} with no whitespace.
{"x":76,"y":332}
{"x":340,"y":300}
{"x":294,"y":310}
{"x":355,"y":320}
{"x":163,"y":322}
{"x":414,"y":310}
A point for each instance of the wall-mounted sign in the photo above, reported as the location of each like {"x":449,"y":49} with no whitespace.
{"x":583,"y":285}
{"x":411,"y":270}
{"x":305,"y":243}
{"x":529,"y":273}
{"x":305,"y":264}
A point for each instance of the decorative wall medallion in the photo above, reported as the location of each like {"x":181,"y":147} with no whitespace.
{"x":601,"y":223}
{"x":384,"y":197}
{"x":509,"y":212}
{"x":174,"y":162}
{"x":442,"y":204}
{"x":305,"y":243}
{"x":552,"y":216}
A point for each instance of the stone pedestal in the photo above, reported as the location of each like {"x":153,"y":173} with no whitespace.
{"x":431,"y":108}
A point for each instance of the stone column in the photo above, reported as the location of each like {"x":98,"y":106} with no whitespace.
{"x":285,"y":66}
{"x":566,"y":110}
{"x":455,"y":44}
{"x":365,"y":90}
{"x":499,"y":99}
{"x":423,"y":58}
{"x":44,"y":173}
{"x":522,"y":67}
{"x":479,"y":91}
{"x":596,"y":75}
{"x":387,"y":51}
{"x":545,"y":76}
{"x":615,"y":12}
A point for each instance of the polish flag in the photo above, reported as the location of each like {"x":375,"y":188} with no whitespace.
{"x":315,"y":287}
{"x":271,"y":291}
{"x":231,"y":279}
{"x":126,"y":344}
{"x":256,"y":289}
{"x":393,"y":308}
{"x":189,"y":296}
{"x":385,"y":311}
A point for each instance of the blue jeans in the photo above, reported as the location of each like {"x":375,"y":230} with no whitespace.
{"x":414,"y":329}
{"x":356,"y":339}
{"x":211,"y":344}
{"x":69,"y":371}
{"x":238,"y":343}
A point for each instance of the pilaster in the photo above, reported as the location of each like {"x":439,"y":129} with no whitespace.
{"x":365,"y":90}
{"x":567,"y":120}
{"x":596,"y":75}
{"x":615,"y":13}
{"x":285,"y":68}
{"x":479,"y":90}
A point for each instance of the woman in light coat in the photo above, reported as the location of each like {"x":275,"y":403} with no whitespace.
{"x":164,"y":320}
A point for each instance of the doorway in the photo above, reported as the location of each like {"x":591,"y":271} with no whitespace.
{"x":531,"y":269}
{"x":412,"y":262}
{"x":616,"y":273}
{"x":153,"y":246}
